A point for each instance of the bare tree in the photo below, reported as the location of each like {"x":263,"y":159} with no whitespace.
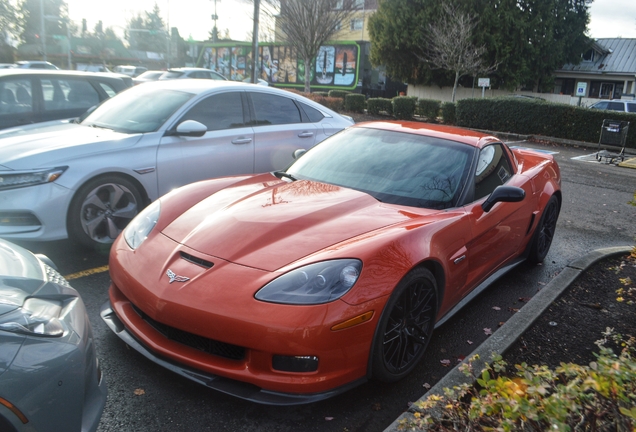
{"x":308,"y":24}
{"x":449,"y":45}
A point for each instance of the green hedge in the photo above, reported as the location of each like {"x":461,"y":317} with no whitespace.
{"x":403,"y":107}
{"x":537,"y":117}
{"x":355,"y":102}
{"x":376,"y":106}
{"x":338,"y":93}
{"x":428,"y":108}
{"x":448,"y":113}
{"x":321,"y":93}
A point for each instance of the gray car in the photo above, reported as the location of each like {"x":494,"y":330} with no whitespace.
{"x":50,"y":379}
{"x":32,"y":95}
{"x":87,"y":180}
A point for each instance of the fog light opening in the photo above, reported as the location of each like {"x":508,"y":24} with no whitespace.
{"x":295,"y":363}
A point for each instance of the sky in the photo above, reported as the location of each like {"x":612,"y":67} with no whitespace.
{"x":609,"y":18}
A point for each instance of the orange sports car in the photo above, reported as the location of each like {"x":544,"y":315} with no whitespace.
{"x":292,"y":286}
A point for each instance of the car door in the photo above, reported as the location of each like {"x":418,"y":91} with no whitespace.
{"x":17,"y":102}
{"x":498,"y":234}
{"x":227,"y":148}
{"x":279,"y":130}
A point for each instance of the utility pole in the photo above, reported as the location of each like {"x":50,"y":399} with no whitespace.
{"x":215,"y":31}
{"x":42,"y":30}
{"x":257,"y":8}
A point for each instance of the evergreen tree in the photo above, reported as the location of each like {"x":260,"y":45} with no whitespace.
{"x":29,"y":18}
{"x":528,"y":39}
{"x":148,"y":33}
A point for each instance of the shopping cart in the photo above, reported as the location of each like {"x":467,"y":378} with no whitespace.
{"x":613,"y":133}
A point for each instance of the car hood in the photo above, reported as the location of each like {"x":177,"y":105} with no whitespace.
{"x":55,"y":144}
{"x":268,"y":224}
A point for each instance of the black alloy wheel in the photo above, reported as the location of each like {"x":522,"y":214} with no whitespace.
{"x":544,"y":233}
{"x":406,"y":326}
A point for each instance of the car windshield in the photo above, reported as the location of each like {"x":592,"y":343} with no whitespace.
{"x":393,"y":167}
{"x":137,"y":110}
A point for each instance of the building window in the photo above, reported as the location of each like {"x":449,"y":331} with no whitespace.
{"x":588,"y":56}
{"x":356,"y":24}
{"x":358,"y":4}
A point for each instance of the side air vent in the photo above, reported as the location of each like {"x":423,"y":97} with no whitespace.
{"x":196,"y":260}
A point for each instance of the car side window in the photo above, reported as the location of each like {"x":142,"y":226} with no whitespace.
{"x":217,"y":112}
{"x":68,"y":94}
{"x":493,"y":169}
{"x":16,"y":96}
{"x":274,"y":110}
{"x":631,"y":107}
{"x":616,"y":106}
{"x":108,"y":89}
{"x":600,"y":105}
{"x":314,"y":115}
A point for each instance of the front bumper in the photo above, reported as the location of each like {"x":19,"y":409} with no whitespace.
{"x":34,"y":212}
{"x":235,"y":388}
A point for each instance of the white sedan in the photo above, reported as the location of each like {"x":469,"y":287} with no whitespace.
{"x":86,"y":180}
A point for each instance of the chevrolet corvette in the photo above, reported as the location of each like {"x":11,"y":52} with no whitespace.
{"x":292,"y":286}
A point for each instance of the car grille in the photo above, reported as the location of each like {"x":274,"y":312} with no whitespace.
{"x":210,"y":346}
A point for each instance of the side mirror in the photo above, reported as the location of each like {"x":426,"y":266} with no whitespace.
{"x":503,"y":194}
{"x":191,"y":128}
{"x":298,"y":153}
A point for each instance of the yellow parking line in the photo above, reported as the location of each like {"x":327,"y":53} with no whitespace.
{"x":87,"y":272}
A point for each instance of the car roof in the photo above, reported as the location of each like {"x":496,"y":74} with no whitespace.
{"x":451,"y":133}
{"x":6,"y":72}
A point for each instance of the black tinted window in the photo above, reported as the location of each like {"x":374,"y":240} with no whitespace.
{"x":15,"y":96}
{"x":313,"y":114}
{"x":222,"y":111}
{"x":616,"y":106}
{"x":631,"y":107}
{"x":493,"y":169}
{"x":273,"y":109}
{"x":68,"y":94}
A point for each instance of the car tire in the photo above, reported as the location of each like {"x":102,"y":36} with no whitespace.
{"x":101,"y":209}
{"x":405,"y":327}
{"x":544,"y":233}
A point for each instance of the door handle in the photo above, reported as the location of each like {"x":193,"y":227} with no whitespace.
{"x":305,"y":134}
{"x":241,"y":140}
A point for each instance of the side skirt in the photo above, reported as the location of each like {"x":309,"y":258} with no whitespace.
{"x":481,"y":287}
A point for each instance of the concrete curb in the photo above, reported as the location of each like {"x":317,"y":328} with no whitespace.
{"x":508,"y":333}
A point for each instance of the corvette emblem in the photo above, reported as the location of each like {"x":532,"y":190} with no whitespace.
{"x":175,"y":277}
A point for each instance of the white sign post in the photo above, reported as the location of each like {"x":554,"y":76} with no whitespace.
{"x":581,"y":90}
{"x":483,"y":83}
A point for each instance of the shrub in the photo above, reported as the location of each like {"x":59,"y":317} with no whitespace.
{"x":428,"y":108}
{"x":333,"y":103}
{"x":376,"y":106}
{"x":538,"y":117}
{"x":601,"y":396}
{"x":403,"y":107}
{"x":338,"y":93}
{"x":448,"y":113}
{"x":354,"y":102}
{"x":321,"y":93}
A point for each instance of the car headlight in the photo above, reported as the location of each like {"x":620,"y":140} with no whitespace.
{"x":138,"y":229}
{"x":12,"y":180}
{"x":313,"y":284}
{"x":36,"y":317}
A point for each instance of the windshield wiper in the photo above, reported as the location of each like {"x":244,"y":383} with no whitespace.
{"x":281,"y":174}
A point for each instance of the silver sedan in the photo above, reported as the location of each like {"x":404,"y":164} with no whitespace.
{"x":87,"y":179}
